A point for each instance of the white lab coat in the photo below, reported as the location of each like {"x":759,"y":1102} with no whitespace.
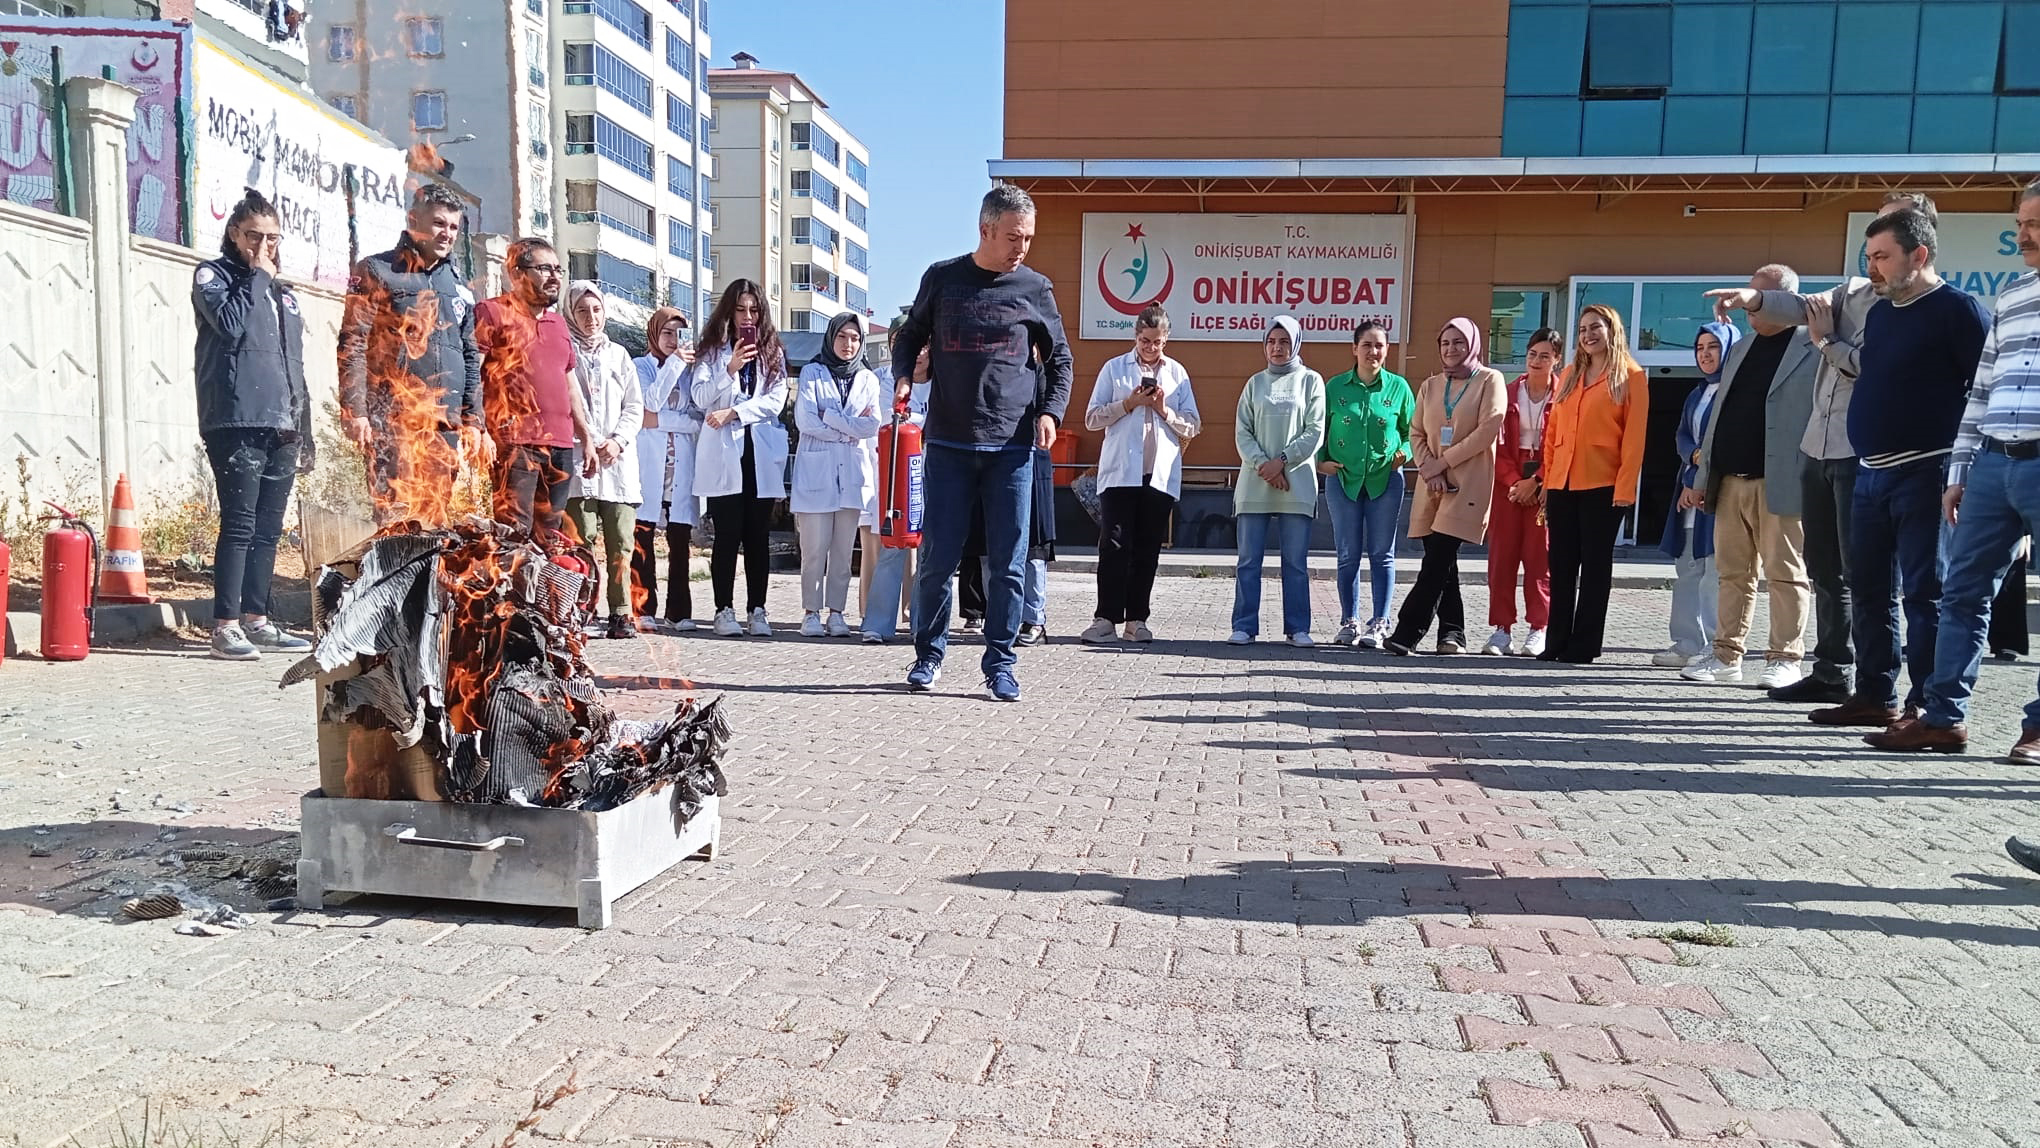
{"x":1121,"y":454}
{"x":837,"y":465}
{"x":667,"y":394}
{"x":719,"y":452}
{"x":616,"y":411}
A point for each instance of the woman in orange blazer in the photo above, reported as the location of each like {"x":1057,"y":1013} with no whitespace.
{"x":1593,"y":455}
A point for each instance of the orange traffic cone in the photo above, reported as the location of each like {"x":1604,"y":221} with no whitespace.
{"x":121,"y":577}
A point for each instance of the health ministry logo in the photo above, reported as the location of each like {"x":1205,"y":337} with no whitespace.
{"x":1138,"y":267}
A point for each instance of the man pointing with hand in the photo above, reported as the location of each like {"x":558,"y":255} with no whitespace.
{"x":981,"y":316}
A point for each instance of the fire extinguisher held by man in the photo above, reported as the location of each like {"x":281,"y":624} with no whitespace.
{"x":254,"y":415}
{"x":901,"y":498}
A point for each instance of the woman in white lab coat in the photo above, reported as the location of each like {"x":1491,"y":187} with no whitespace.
{"x":739,"y":383}
{"x":835,"y":485}
{"x":607,"y":499}
{"x":665,"y":451}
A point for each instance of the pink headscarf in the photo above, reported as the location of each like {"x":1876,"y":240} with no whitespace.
{"x":1465,"y":327}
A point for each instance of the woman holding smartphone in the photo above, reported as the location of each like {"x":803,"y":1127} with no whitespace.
{"x":1516,"y":537}
{"x":1368,"y":413}
{"x":739,"y":381}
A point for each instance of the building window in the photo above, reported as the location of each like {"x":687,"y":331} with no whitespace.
{"x":681,"y":295}
{"x":1541,"y":125}
{"x":340,"y":42}
{"x":855,"y":256}
{"x":708,"y":193}
{"x":616,"y":210}
{"x":814,"y":233}
{"x":801,"y":276}
{"x":1792,"y":50}
{"x":824,"y":283}
{"x":811,"y":137}
{"x":627,"y":18}
{"x":800,"y":319}
{"x":614,"y":143}
{"x":1629,"y":51}
{"x":428,"y":111}
{"x":1959,"y":49}
{"x":855,"y":169}
{"x":535,"y":57}
{"x":346,"y":105}
{"x":684,"y":7}
{"x":704,"y":57}
{"x":679,"y":117}
{"x":855,"y":298}
{"x":535,"y":7}
{"x":702,"y":19}
{"x":680,"y":178}
{"x":1515,"y":314}
{"x":680,"y":239}
{"x":581,"y":265}
{"x":707,"y":130}
{"x":580,"y":135}
{"x":1547,"y":51}
{"x":426,"y":35}
{"x":679,"y":56}
{"x":854,"y":211}
{"x":580,"y":65}
{"x":1714,"y":53}
{"x":621,"y":80}
{"x":625,"y":279}
{"x":2019,"y":72}
{"x":824,"y":191}
{"x":538,"y":125}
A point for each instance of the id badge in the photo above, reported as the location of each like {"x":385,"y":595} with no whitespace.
{"x":1444,"y":436}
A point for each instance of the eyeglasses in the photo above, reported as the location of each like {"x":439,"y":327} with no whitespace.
{"x":553,"y":270}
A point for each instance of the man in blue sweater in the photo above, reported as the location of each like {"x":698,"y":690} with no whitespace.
{"x":981,"y":316}
{"x":1921,"y":343}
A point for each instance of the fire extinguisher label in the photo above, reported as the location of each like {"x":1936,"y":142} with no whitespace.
{"x":915,"y":496}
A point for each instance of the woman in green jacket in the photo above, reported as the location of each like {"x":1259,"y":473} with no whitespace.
{"x":1368,"y":411}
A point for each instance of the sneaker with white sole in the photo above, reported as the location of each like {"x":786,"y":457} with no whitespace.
{"x":1779,"y":674}
{"x":761,"y":626}
{"x":924,"y":674}
{"x":1674,"y":657}
{"x":1349,"y":633}
{"x":1240,"y":638}
{"x":1497,"y":643}
{"x":1139,"y":632}
{"x":810,"y":625}
{"x":267,"y":635}
{"x":1374,"y":635}
{"x":1451,"y":644}
{"x":1301,"y":639}
{"x":839,"y":627}
{"x":231,"y":644}
{"x":873,"y":638}
{"x":726,"y":624}
{"x":686,"y":625}
{"x":1532,"y":645}
{"x":1714,"y":671}
{"x":1098,"y":633}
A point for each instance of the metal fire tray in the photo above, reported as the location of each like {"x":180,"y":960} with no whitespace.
{"x":504,"y":854}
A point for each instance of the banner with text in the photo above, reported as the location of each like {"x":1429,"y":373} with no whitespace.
{"x":1976,"y":251}
{"x":1222,"y":277}
{"x":253,"y":130}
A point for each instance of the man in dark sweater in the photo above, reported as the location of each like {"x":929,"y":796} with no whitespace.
{"x":1921,"y":344}
{"x":981,"y":316}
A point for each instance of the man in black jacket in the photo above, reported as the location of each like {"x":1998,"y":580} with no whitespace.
{"x":255,"y":419}
{"x":410,"y":374}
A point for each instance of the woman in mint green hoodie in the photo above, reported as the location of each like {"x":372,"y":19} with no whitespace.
{"x":1368,"y":411}
{"x":1279,"y":424}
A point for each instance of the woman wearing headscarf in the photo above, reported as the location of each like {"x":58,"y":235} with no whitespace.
{"x":1689,"y":530}
{"x":1368,"y":412}
{"x":665,"y":452}
{"x":1516,"y":541}
{"x":1459,"y":414}
{"x":1277,"y":427}
{"x":606,"y":496}
{"x":835,"y":471}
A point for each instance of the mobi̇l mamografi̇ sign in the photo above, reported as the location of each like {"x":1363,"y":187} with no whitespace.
{"x":1977,"y":251}
{"x":252,"y":131}
{"x":1222,"y":277}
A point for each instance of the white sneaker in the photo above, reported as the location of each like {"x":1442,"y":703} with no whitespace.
{"x":810,"y":626}
{"x":1532,"y":645}
{"x":1672,"y":657}
{"x":1302,"y":639}
{"x":1240,"y":638}
{"x":1497,"y":643}
{"x":686,"y":625}
{"x":838,"y":627}
{"x":1451,"y":644}
{"x":1779,"y":674}
{"x":1100,"y":632}
{"x":726,"y":624}
{"x":1714,"y":670}
{"x":1139,"y":632}
{"x":761,"y":626}
{"x":1375,"y":634}
{"x":1349,"y":633}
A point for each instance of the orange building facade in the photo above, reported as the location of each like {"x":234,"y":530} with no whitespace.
{"x":1291,"y":108}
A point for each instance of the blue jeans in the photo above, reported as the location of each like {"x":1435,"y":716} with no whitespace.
{"x":2000,"y":506}
{"x":1365,"y":527}
{"x":1695,"y":601}
{"x":1895,"y":558}
{"x":882,"y":601}
{"x":1292,"y":533}
{"x":1034,"y":594}
{"x":254,"y":470}
{"x":1000,"y":484}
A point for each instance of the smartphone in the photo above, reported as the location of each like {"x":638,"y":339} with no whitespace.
{"x":1149,"y":385}
{"x":747,"y":334}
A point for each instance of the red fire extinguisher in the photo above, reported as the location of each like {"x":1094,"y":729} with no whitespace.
{"x":70,"y":586}
{"x":900,"y":495}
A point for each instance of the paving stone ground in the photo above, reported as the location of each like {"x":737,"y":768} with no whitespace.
{"x":1191,"y":895}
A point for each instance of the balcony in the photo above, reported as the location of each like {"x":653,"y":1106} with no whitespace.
{"x":536,"y":76}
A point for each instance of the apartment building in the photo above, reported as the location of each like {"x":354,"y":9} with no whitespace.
{"x":792,"y":194}
{"x":585,"y":121}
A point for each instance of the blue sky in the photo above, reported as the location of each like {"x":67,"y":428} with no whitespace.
{"x":921,"y":82}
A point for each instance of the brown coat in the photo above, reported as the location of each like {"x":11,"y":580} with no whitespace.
{"x":1470,"y":459}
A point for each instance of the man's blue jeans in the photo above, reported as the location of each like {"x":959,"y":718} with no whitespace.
{"x":1365,"y":527}
{"x":1895,"y":558}
{"x":2000,"y":507}
{"x":1292,"y":532}
{"x":1000,"y":483}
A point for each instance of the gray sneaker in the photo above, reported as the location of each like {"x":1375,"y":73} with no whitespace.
{"x":270,"y":636}
{"x":231,"y":644}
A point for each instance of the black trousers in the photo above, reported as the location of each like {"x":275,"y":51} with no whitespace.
{"x":1435,"y":594}
{"x":743,"y":522}
{"x":531,"y":487}
{"x":2008,"y":612}
{"x":644,"y":570}
{"x":970,"y":587}
{"x":254,"y":470}
{"x":1132,"y":521}
{"x":1581,"y":526}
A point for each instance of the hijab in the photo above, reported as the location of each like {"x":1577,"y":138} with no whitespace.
{"x":659,"y":319}
{"x":1295,"y":330}
{"x":1728,"y":333}
{"x":586,"y":344}
{"x":1465,"y":327}
{"x":844,"y":370}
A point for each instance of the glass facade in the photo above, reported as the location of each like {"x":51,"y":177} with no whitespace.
{"x":1771,"y":77}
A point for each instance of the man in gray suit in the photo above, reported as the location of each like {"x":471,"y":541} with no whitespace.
{"x":1749,"y":479}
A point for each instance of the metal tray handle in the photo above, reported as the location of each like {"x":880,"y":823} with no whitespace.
{"x":409,"y":836}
